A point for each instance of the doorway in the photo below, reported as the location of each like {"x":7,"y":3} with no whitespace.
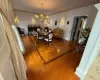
{"x":78,"y":25}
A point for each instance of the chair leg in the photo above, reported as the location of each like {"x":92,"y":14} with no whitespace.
{"x":51,"y":42}
{"x":48,"y":43}
{"x":38,"y":41}
{"x":28,"y":33}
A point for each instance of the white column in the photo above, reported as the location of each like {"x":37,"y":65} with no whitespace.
{"x":90,"y":51}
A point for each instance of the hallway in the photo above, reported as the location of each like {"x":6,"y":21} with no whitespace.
{"x":62,"y":68}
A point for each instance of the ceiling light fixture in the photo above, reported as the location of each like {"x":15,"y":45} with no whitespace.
{"x":36,"y":16}
{"x":42,"y":16}
{"x":33,"y":21}
{"x":16,"y":20}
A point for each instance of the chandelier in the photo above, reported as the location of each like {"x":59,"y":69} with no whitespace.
{"x":41,"y":16}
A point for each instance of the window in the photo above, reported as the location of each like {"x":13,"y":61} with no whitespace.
{"x":18,"y":38}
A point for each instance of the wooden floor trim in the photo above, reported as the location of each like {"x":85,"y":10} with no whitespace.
{"x":36,"y":49}
{"x":52,"y":59}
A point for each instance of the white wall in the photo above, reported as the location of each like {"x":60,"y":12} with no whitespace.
{"x":25,"y":18}
{"x":89,"y":11}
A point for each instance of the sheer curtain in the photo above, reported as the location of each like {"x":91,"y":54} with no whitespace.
{"x":6,"y":7}
{"x":16,"y":54}
{"x":7,"y":16}
{"x":4,"y":49}
{"x":1,"y":78}
{"x":18,"y":38}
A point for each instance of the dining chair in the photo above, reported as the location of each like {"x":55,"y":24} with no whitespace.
{"x":39,"y":37}
{"x":46,"y":29}
{"x":21,"y":31}
{"x":50,"y":31}
{"x":30,"y":30}
{"x":38,"y":29}
{"x":49,"y":38}
{"x":34,"y":30}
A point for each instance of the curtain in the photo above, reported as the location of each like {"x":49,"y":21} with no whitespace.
{"x":16,"y":54}
{"x":18,"y":38}
{"x":10,"y":13}
{"x":6,"y":7}
{"x":4,"y":49}
{"x":3,"y":6}
{"x":1,"y":78}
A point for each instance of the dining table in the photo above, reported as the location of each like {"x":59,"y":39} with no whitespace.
{"x":42,"y":33}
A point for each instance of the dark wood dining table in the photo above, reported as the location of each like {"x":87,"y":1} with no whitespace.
{"x":42,"y":33}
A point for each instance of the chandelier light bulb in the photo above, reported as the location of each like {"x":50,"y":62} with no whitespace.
{"x":41,"y":15}
{"x":36,"y":16}
{"x":47,"y":17}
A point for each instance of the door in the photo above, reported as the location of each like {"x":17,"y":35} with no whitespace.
{"x":77,"y":31}
{"x":76,"y":28}
{"x":75,"y":23}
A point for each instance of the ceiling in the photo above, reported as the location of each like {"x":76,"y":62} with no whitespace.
{"x":47,"y":6}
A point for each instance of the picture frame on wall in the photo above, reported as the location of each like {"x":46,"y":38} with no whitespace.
{"x":67,"y":22}
{"x":55,"y":23}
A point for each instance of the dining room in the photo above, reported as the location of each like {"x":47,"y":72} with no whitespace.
{"x":49,"y":45}
{"x":52,"y":36}
{"x":49,"y":39}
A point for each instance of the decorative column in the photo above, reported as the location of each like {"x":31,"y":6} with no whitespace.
{"x":91,"y":50}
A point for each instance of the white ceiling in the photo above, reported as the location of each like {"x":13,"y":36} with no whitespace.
{"x":49,"y":6}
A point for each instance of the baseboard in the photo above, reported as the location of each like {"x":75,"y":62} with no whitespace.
{"x":79,"y":73}
{"x":66,"y":38}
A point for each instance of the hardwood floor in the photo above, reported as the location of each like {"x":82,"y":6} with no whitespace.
{"x":62,"y":68}
{"x":57,"y":48}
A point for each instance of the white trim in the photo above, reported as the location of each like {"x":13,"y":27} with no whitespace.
{"x":97,"y":6}
{"x":79,"y":73}
{"x":94,"y":53}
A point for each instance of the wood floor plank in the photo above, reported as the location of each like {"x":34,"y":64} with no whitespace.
{"x":62,"y":68}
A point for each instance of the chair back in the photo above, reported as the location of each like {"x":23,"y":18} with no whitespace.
{"x":21,"y":30}
{"x":50,"y":30}
{"x":38,"y":29}
{"x":50,"y":35}
{"x":30,"y":29}
{"x":46,"y":29}
{"x":18,"y":28}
